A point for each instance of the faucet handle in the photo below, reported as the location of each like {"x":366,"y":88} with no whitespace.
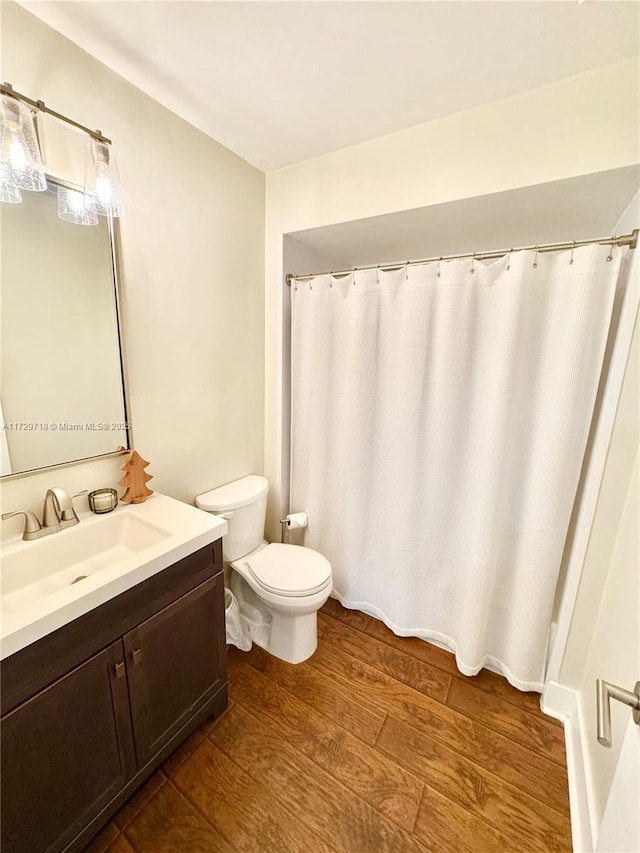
{"x":70,"y":514}
{"x":31,"y":525}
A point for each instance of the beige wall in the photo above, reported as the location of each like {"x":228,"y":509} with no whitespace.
{"x":578,"y":126}
{"x":192,"y":246}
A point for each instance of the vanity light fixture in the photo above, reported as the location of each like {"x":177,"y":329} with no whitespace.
{"x":101,"y":180}
{"x":20,"y":161}
{"x":73,"y":207}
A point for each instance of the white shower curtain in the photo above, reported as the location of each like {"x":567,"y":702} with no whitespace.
{"x":439,"y":421}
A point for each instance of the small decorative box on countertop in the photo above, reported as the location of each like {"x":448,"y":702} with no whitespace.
{"x":103,"y":500}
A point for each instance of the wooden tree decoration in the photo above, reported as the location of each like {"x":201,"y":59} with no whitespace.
{"x":135,"y":479}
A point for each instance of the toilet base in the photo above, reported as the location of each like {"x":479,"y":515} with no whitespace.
{"x":292,"y":638}
{"x":289,"y":635}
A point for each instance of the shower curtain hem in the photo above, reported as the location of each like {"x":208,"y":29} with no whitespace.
{"x":447,"y":643}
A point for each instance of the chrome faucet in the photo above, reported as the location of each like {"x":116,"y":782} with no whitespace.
{"x":58,"y":510}
{"x":58,"y":513}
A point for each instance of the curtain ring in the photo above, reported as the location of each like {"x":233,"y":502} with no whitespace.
{"x":354,"y":276}
{"x":439,"y":262}
{"x":573,"y":246}
{"x":614,"y":243}
{"x":378,"y":275}
{"x":509,"y":260}
{"x":406,"y":277}
{"x":473,"y":264}
{"x":535,"y":260}
{"x":330,"y":277}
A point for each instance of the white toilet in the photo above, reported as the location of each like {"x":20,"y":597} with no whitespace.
{"x":279,"y":588}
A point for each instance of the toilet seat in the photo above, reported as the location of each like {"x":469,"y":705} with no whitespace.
{"x":289,"y":570}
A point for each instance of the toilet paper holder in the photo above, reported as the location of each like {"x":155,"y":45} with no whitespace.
{"x":293,"y":521}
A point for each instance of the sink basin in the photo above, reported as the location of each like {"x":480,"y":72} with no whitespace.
{"x":53,"y":580}
{"x":46,"y":565}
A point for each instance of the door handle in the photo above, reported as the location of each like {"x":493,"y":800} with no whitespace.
{"x":606,"y":691}
{"x":136,"y":657}
{"x":119,"y":670}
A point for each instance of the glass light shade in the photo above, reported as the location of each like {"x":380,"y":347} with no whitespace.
{"x":72,"y":207}
{"x":10,"y":195}
{"x":20,"y":160}
{"x":101,"y":180}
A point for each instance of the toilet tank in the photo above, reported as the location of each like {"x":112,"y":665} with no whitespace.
{"x":244,"y":504}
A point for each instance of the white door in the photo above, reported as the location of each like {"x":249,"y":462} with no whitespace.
{"x":620,"y":827}
{"x":613,"y":774}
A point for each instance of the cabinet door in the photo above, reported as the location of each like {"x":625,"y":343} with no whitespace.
{"x":173,"y":666}
{"x":65,"y":754}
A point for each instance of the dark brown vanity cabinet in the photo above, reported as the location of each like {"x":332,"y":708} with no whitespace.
{"x":66,"y":753}
{"x":172,"y":667}
{"x":78,"y":739}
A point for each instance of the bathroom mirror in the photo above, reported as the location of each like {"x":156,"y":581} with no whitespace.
{"x":62,"y":395}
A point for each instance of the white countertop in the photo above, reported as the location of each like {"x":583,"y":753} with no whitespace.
{"x":185,"y":530}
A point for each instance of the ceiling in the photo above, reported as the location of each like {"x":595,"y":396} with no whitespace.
{"x":582,"y":208}
{"x":282,"y":82}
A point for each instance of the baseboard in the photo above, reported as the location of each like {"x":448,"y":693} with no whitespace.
{"x":561,"y":703}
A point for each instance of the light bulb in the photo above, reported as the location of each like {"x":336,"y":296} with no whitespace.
{"x":102,"y":183}
{"x":72,"y":207}
{"x":17,"y":156}
{"x":20,"y":161}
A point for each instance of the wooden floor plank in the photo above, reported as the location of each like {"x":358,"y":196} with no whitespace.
{"x":328,"y":697}
{"x":369,"y":774}
{"x":140,"y":799}
{"x":539,"y":828}
{"x":498,"y":686}
{"x":485,"y":680}
{"x":532,"y":773}
{"x":532,"y":730}
{"x":183,"y":752}
{"x":444,"y":827}
{"x":419,"y":649}
{"x":353,"y":618}
{"x":120,"y":845}
{"x":169,"y":823}
{"x":239,"y":807}
{"x":312,"y":796}
{"x":401,"y":666}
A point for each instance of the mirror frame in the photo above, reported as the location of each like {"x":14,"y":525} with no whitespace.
{"x":113,"y":229}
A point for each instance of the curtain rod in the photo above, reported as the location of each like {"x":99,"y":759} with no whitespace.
{"x":630,"y":240}
{"x":40,"y":106}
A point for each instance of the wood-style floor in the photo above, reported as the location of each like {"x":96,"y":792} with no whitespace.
{"x":375,"y":744}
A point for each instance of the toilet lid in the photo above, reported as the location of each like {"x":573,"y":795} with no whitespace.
{"x":290,"y":569}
